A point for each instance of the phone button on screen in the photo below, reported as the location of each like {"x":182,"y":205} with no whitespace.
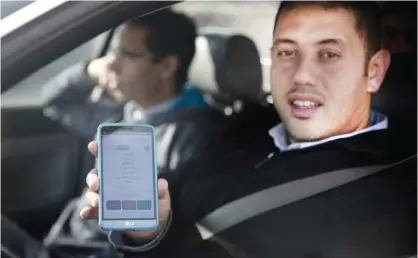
{"x":144,"y":205}
{"x":113,"y":205}
{"x":128,"y":205}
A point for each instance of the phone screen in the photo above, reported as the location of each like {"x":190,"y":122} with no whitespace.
{"x":128,"y":176}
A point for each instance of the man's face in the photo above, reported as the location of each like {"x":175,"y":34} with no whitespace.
{"x":137,"y":77}
{"x":318,"y":74}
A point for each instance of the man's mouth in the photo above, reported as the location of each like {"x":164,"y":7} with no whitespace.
{"x":304,"y":106}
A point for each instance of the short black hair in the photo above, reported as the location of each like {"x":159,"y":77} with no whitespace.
{"x":170,"y":33}
{"x":367,"y":14}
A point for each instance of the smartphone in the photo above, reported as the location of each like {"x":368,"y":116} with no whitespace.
{"x":128,"y":177}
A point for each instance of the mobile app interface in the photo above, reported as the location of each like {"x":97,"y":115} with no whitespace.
{"x":128,"y":175}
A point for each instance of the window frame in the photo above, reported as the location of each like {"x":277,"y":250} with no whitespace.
{"x":17,"y":96}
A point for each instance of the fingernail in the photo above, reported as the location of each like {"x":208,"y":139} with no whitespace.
{"x":88,"y":180}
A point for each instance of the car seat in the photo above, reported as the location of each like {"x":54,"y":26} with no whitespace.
{"x":397,"y":97}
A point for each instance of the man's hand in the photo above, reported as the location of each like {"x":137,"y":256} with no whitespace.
{"x":92,"y":201}
{"x":100,"y":71}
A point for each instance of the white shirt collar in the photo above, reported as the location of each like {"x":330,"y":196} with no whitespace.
{"x":278,"y":133}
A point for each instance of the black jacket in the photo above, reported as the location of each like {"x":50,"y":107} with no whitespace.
{"x":372,"y":217}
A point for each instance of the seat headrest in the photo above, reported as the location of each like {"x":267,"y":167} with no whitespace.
{"x":398,"y":93}
{"x":228,"y":66}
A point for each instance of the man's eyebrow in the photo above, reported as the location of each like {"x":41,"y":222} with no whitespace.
{"x":330,"y":41}
{"x":127,"y":52}
{"x":283,"y":40}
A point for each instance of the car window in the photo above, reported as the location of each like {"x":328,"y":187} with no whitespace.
{"x":252,"y":19}
{"x":28,"y":91}
{"x":9,"y":7}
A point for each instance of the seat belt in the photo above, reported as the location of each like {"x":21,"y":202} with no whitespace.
{"x":257,"y":203}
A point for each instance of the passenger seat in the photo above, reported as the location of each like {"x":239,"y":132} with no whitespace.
{"x":227,"y":67}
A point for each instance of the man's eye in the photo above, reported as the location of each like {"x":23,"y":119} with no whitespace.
{"x":286,"y":53}
{"x":329,"y":55}
{"x":126,"y":54}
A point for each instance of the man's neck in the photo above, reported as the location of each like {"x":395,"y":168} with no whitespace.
{"x":146,"y":105}
{"x":282,"y":140}
{"x":363,"y":124}
{"x":164,"y":96}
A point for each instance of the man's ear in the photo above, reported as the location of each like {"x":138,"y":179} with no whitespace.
{"x":378,"y":66}
{"x":169,"y":66}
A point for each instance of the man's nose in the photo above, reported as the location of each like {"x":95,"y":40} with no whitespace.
{"x":305,"y":73}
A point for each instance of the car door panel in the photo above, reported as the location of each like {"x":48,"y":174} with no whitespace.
{"x":40,"y":168}
{"x":44,"y":166}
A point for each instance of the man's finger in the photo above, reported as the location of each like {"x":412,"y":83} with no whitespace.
{"x":93,"y":148}
{"x":162,"y":188}
{"x":92,"y":199}
{"x":92,"y":180}
{"x":89,"y":213}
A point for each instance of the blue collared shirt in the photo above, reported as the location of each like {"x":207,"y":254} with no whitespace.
{"x":278,"y":133}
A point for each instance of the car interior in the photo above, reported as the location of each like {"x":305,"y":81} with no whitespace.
{"x":232,"y":82}
{"x":44,"y":165}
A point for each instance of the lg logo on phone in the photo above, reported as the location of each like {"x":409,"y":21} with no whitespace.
{"x":129,"y":223}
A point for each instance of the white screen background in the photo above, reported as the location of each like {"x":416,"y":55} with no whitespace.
{"x":127,"y":175}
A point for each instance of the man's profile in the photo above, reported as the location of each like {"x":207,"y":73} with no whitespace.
{"x":145,"y":74}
